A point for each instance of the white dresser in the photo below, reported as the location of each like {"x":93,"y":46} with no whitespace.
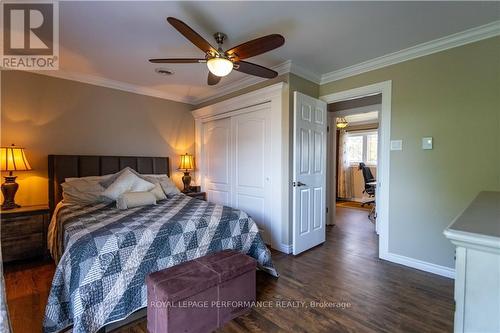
{"x":476,"y":233}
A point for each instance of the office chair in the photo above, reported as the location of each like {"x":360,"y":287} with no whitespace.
{"x":368,"y":178}
{"x":369,"y":189}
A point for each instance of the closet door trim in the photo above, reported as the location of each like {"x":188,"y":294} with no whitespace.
{"x":278,"y":165}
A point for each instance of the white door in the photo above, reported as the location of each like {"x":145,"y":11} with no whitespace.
{"x":309,"y":172}
{"x":251,"y":190}
{"x":217,"y":160}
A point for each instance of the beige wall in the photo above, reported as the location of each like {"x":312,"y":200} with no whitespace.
{"x":454,"y":97}
{"x":48,"y":115}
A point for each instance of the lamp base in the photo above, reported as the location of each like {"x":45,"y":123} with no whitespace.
{"x":9,"y":189}
{"x":186,"y":180}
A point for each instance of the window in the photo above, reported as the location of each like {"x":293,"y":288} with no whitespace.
{"x":355,"y":148}
{"x":362,"y":147}
{"x":371,"y":148}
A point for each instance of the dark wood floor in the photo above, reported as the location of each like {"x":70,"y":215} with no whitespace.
{"x":378,"y":296}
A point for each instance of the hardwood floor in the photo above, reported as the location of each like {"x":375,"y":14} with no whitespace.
{"x":377,"y":296}
{"x":353,"y":204}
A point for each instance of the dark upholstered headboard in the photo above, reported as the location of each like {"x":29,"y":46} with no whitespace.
{"x":65,"y":166}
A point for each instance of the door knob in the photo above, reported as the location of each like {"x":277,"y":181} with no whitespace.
{"x":299,"y":184}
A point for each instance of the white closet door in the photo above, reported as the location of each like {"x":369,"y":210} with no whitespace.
{"x":217,"y":160}
{"x":251,"y":186}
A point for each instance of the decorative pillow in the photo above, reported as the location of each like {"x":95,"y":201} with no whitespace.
{"x":111,"y":179}
{"x":82,"y":191}
{"x":148,"y":177}
{"x":169,"y":187}
{"x":127,"y":182}
{"x":155,"y":179}
{"x":135,"y":199}
{"x":158,"y":192}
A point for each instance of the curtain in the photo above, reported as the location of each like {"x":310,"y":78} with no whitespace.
{"x":4,"y":313}
{"x":345,"y":180}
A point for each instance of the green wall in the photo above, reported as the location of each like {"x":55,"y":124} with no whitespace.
{"x":453,"y":96}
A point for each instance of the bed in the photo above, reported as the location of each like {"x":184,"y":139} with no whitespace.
{"x":106,"y":253}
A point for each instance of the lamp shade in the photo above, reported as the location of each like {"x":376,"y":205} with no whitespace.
{"x":187,"y":162}
{"x":220,"y":66}
{"x":342,"y":123}
{"x":13,"y":159}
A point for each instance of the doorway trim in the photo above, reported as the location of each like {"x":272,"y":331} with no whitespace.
{"x":383,"y":170}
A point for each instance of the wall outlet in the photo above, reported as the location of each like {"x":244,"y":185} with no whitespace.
{"x":427,"y":143}
{"x":396,"y":144}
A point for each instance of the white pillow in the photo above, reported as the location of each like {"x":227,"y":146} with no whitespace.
{"x":169,"y":187}
{"x":127,"y":182}
{"x":135,"y":199}
{"x":81,"y":194}
{"x":90,"y":178}
{"x":82,"y":191}
{"x":158,"y":192}
{"x":154,"y":178}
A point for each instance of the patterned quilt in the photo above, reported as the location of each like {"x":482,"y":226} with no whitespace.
{"x":100,"y":277}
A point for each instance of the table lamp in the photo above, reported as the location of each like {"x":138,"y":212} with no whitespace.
{"x":185,"y":166}
{"x":12,"y":159}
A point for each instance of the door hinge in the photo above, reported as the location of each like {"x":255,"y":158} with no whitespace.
{"x":327,"y":210}
{"x":328,"y":128}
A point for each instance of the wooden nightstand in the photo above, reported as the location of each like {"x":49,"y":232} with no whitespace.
{"x":197,"y":195}
{"x":24,"y":232}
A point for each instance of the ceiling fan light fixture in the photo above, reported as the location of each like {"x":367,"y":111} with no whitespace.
{"x":220,"y":66}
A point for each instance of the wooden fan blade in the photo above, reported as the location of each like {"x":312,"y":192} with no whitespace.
{"x":192,"y":35}
{"x":256,"y":46}
{"x":213,"y":79}
{"x":254,"y":69}
{"x":177,"y":61}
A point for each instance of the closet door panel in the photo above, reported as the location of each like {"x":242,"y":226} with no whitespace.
{"x":255,"y":207}
{"x":252,"y":155}
{"x":250,"y":151}
{"x":217,"y":160}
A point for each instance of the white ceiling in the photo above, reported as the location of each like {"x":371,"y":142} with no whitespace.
{"x":362,"y":118}
{"x":113,"y":40}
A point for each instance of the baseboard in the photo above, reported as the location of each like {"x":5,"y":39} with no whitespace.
{"x":284,"y":248}
{"x":419,"y":264}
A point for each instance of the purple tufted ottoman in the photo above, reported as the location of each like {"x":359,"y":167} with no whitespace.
{"x":201,"y":295}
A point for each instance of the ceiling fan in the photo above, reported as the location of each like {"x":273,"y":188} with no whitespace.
{"x":219,"y":62}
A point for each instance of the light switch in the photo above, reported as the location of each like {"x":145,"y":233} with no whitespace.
{"x":396,"y":144}
{"x":427,"y":143}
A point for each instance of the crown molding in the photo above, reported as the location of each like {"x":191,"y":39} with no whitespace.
{"x":283,"y":68}
{"x":113,"y":84}
{"x":441,"y":44}
{"x":245,"y":82}
{"x":305,"y":73}
{"x":255,"y":97}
